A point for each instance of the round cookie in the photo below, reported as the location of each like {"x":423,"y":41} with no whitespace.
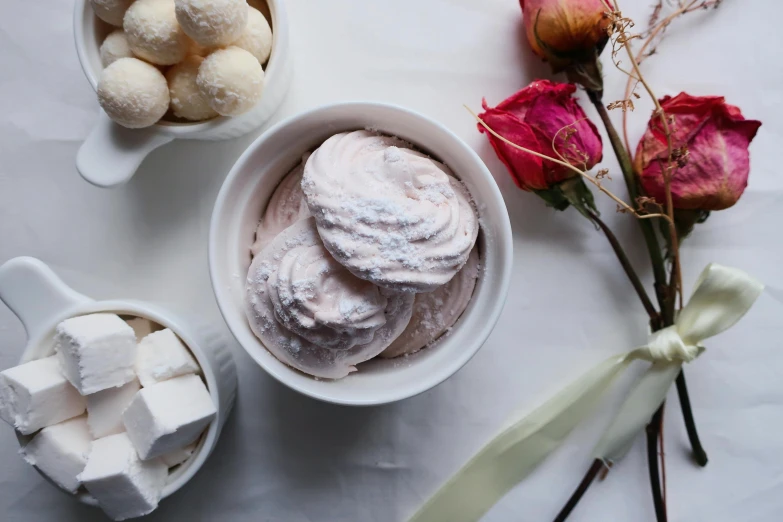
{"x":110,"y":11}
{"x":114,"y":47}
{"x":153,"y":32}
{"x":212,"y":23}
{"x":186,"y":99}
{"x":231,"y":80}
{"x":133,"y":93}
{"x":257,"y":37}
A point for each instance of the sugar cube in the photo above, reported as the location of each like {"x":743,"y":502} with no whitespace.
{"x":96,"y":351}
{"x":168,"y":415}
{"x":36,"y":394}
{"x":60,"y":451}
{"x":142,"y":327}
{"x":104,"y":409}
{"x":124,"y":486}
{"x":161,"y":356}
{"x":179,"y":456}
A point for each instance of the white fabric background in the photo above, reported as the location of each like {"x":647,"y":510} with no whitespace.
{"x":284,"y":457}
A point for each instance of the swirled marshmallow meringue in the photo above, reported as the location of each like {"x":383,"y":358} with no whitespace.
{"x":437,"y":311}
{"x":388,"y":213}
{"x":285,"y":207}
{"x":313,"y":314}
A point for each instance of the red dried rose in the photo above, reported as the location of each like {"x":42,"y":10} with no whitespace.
{"x":539,"y":115}
{"x":710,"y":139}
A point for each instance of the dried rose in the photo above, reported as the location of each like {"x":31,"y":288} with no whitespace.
{"x":710,"y":139}
{"x":569,"y":34}
{"x":540,"y":115}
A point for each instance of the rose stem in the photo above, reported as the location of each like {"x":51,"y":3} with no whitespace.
{"x":659,"y":273}
{"x":690,"y":425}
{"x":626,"y":264}
{"x":580,"y":490}
{"x":653,"y":432}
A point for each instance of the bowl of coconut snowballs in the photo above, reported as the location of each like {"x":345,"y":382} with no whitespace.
{"x":167,"y":69}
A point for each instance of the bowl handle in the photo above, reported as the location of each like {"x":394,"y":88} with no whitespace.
{"x":35,"y":294}
{"x":111,"y":153}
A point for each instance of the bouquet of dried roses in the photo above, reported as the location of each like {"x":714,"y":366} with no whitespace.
{"x":692,"y":160}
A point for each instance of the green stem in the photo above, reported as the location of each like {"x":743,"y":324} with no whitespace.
{"x":659,"y":272}
{"x":626,"y":264}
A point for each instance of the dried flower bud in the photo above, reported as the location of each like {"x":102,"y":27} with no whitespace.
{"x":710,"y":140}
{"x":540,"y":115}
{"x":568,"y":34}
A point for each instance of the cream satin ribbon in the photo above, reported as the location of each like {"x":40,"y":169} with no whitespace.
{"x":721,"y":297}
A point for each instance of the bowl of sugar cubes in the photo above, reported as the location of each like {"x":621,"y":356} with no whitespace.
{"x":118,"y":403}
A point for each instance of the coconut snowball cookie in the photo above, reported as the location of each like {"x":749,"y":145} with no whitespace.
{"x":285,"y":207}
{"x":186,"y":100}
{"x":114,"y":47}
{"x":110,"y":11}
{"x":257,"y":37}
{"x":212,"y":23}
{"x":133,"y":93}
{"x":231,"y":80}
{"x":437,"y":311}
{"x":153,"y":32}
{"x":388,"y":213}
{"x":313,"y":314}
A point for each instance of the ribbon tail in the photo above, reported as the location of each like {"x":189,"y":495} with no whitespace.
{"x":637,"y":410}
{"x":516,"y":452}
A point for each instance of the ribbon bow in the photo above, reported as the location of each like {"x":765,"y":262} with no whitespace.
{"x":721,"y":297}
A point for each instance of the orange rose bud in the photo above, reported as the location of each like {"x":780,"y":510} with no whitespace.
{"x":566,"y":32}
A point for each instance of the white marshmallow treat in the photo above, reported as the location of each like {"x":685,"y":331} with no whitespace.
{"x":231,"y":80}
{"x":179,"y":456}
{"x":257,"y":36}
{"x":133,"y":93}
{"x":168,"y":416}
{"x":114,"y":47}
{"x":124,"y":485}
{"x":36,"y":394}
{"x":60,"y":452}
{"x":186,"y":99}
{"x":104,"y":409}
{"x":153,"y":32}
{"x":162,"y":356}
{"x":96,"y":351}
{"x":212,"y":23}
{"x":111,"y":11}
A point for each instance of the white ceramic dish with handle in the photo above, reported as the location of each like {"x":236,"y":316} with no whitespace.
{"x":111,"y":153}
{"x":41,"y":300}
{"x":243,"y":198}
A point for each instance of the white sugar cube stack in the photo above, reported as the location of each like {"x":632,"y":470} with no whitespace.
{"x":146,"y":408}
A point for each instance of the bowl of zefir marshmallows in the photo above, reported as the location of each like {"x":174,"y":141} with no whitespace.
{"x":115,"y":415}
{"x":360,"y":253}
{"x":166,"y":69}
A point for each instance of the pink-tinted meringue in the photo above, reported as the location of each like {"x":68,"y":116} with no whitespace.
{"x":313,"y":314}
{"x":436,"y":312}
{"x":285,"y":207}
{"x":388,"y":213}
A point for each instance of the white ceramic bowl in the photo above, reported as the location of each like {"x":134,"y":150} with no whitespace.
{"x":111,"y":153}
{"x":41,"y":300}
{"x":246,"y":191}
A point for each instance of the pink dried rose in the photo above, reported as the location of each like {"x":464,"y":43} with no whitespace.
{"x":539,"y":115}
{"x":564,"y":32}
{"x":711,"y":139}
